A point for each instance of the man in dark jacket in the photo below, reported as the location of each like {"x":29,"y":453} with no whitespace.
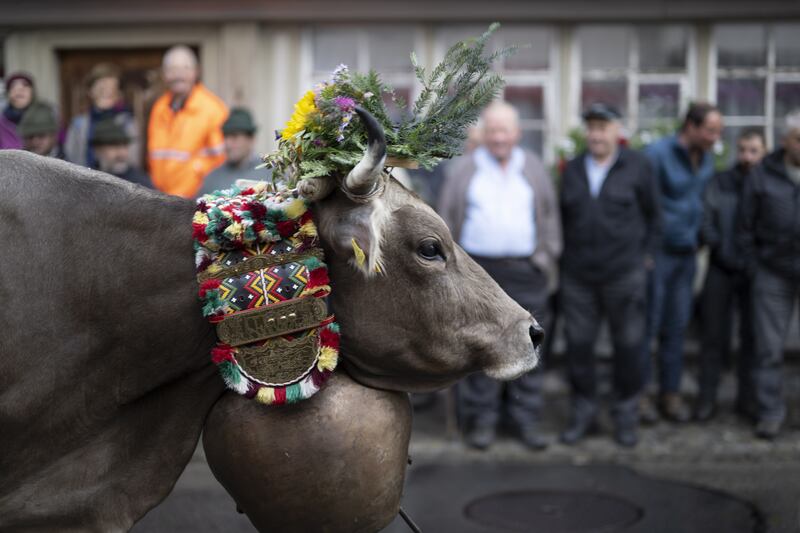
{"x":727,"y":286}
{"x":610,"y":220}
{"x":683,"y":164}
{"x":111,"y":145}
{"x":770,"y":240}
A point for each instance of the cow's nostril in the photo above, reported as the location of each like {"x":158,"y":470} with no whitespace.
{"x":537,"y":334}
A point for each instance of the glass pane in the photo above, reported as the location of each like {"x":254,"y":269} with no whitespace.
{"x":536,"y":56}
{"x":741,"y":45}
{"x":529,"y":101}
{"x":659,"y":101}
{"x":740,"y":97}
{"x":394,"y":112}
{"x":533,"y":140}
{"x":614,"y":92}
{"x":787,"y":99}
{"x":662,"y":48}
{"x":729,"y":137}
{"x":787,"y":45}
{"x":332,"y":47}
{"x":390,"y":50}
{"x":604,"y":48}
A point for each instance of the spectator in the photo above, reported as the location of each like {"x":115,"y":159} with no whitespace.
{"x":500,"y":206}
{"x":683,"y":164}
{"x":609,"y":212}
{"x":240,"y":160}
{"x":21,"y":94}
{"x":727,"y":286}
{"x":105,"y":103}
{"x":111,"y":145}
{"x":184,"y":135}
{"x":770,"y":240}
{"x":39,"y":131}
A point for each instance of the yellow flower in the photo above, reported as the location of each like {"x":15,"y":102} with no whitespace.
{"x":304,"y":107}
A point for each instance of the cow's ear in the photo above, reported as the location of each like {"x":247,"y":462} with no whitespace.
{"x":359,"y":236}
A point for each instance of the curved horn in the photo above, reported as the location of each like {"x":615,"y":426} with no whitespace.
{"x":363,"y":179}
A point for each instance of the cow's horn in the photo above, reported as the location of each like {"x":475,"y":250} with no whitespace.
{"x":364,"y":180}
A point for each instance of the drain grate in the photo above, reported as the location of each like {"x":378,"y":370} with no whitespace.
{"x":553,"y":511}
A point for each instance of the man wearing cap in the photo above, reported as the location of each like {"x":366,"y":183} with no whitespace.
{"x":240,"y":160}
{"x":20,"y":93}
{"x":184,"y":135}
{"x":111,"y":146}
{"x":39,"y":129}
{"x":610,"y":220}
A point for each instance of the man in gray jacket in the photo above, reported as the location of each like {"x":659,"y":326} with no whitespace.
{"x":501,"y":207}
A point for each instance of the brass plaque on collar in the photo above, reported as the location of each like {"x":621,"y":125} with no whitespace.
{"x":279,"y":362}
{"x":275,"y":320}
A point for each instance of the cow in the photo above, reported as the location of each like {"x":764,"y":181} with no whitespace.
{"x":105,"y":377}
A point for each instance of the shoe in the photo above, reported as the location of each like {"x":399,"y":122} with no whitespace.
{"x":626,"y":435}
{"x":532,"y":438}
{"x":648,"y":414}
{"x":705,"y":410}
{"x":480,"y":437}
{"x":579,"y":427}
{"x":674,"y":409}
{"x":768,"y":429}
{"x":746,"y":411}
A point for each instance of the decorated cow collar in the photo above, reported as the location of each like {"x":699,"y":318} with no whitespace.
{"x":264,"y":285}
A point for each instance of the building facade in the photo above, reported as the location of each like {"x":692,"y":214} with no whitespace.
{"x":648,"y":58}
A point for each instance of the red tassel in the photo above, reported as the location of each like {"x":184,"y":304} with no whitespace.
{"x":247,"y":192}
{"x":306,"y":217}
{"x":258,"y":227}
{"x":329,"y":338}
{"x":204,"y":263}
{"x":318,"y":277}
{"x":220,"y":353}
{"x":256,"y":209}
{"x":199,"y":232}
{"x":208,"y":285}
{"x":287,"y":228}
{"x":280,"y":395}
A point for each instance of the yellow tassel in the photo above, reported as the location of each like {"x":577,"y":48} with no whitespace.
{"x":295,"y":209}
{"x":200,"y":218}
{"x":308,"y":229}
{"x":234,"y":230}
{"x":213,"y":268}
{"x":266,"y":395}
{"x":359,"y":253}
{"x":328,"y":358}
{"x":314,"y":290}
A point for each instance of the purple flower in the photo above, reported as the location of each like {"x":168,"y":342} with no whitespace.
{"x":344,"y":103}
{"x":319,"y":143}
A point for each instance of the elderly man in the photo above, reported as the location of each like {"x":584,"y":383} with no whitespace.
{"x":39,"y":131}
{"x":610,"y":216}
{"x":184,"y":135}
{"x":240,"y":160}
{"x":683,"y":164}
{"x":727,"y":286}
{"x":770,"y":240}
{"x":111,"y":146}
{"x":501,"y":208}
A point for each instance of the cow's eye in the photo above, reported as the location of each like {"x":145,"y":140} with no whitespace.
{"x":430,"y":250}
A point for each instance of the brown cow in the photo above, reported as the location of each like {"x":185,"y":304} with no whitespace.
{"x":105,"y":375}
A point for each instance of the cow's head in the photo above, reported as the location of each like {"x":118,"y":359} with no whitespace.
{"x":417,"y":313}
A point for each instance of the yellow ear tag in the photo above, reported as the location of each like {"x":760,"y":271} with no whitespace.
{"x":359,"y":253}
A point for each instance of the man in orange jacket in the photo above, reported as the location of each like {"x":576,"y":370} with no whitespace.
{"x":184,"y":137}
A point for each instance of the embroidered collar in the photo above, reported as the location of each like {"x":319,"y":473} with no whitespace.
{"x":264,"y":285}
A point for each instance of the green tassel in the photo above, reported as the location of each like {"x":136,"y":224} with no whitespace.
{"x":293,"y":393}
{"x":334,"y":327}
{"x":229,"y":372}
{"x":312,"y":262}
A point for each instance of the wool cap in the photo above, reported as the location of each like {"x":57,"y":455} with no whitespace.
{"x":39,"y":119}
{"x":239,"y":121}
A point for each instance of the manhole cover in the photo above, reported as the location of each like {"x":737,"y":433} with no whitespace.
{"x":553,"y":511}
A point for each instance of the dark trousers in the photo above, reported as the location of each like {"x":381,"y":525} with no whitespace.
{"x":724,"y":294}
{"x":669,"y":309}
{"x":480,"y":398}
{"x":774,"y":298}
{"x":583,"y":306}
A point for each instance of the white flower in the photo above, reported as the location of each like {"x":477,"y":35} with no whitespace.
{"x":368,"y":95}
{"x":719,"y":147}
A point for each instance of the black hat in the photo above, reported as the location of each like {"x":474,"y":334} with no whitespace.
{"x":601,"y":111}
{"x":39,"y":119}
{"x":239,"y":121}
{"x":108,"y":131}
{"x":19,"y":75}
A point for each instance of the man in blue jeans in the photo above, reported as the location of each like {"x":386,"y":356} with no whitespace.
{"x":683,"y":164}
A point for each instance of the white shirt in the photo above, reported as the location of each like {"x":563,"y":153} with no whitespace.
{"x":499,"y":218}
{"x":597,"y":173}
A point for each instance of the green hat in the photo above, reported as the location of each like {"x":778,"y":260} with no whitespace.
{"x":39,"y":119}
{"x":108,"y":131}
{"x":239,"y":121}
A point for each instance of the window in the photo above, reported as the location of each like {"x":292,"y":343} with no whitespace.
{"x":643,"y":71}
{"x":387,"y":50}
{"x":528,"y":74}
{"x":758,"y":77}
